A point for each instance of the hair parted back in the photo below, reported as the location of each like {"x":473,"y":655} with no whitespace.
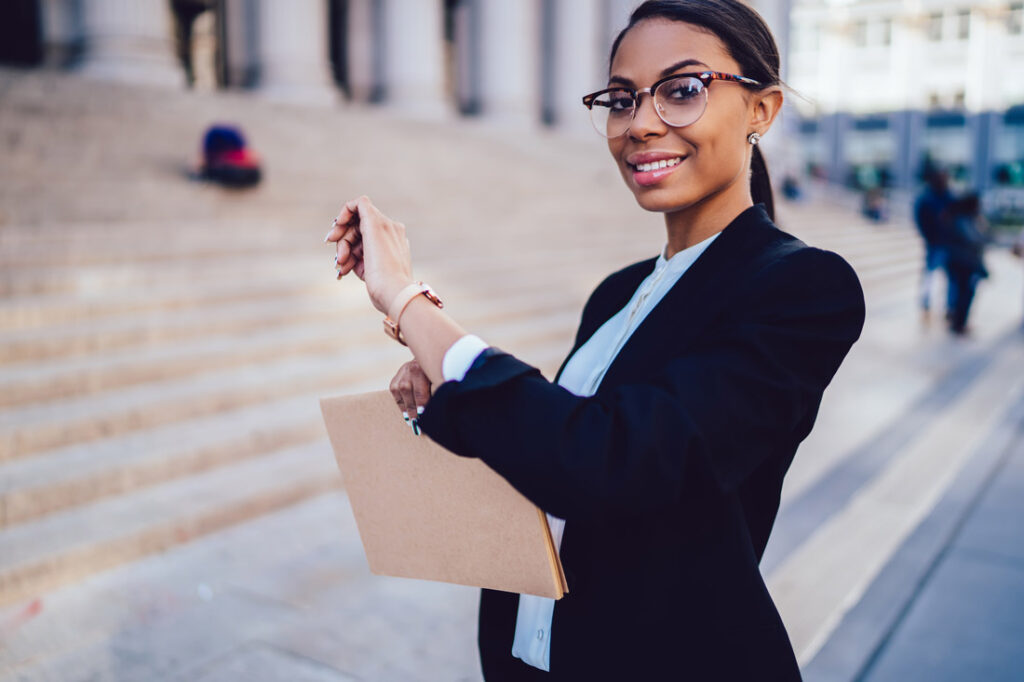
{"x":747,"y":39}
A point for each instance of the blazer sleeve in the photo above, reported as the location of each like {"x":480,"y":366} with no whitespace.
{"x":721,"y":406}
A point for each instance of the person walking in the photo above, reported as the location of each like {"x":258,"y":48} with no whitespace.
{"x":660,"y":448}
{"x":931,"y":214}
{"x":1018,"y":251}
{"x":965,"y":265}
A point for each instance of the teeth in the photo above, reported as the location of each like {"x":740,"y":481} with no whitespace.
{"x":656,"y":165}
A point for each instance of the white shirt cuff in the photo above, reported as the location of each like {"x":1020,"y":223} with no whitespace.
{"x":460,"y":356}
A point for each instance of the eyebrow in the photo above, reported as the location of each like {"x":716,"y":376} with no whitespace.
{"x":664,"y":72}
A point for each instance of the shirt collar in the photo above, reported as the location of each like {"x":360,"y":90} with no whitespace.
{"x":684,"y":258}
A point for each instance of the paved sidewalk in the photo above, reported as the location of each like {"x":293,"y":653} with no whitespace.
{"x":950,"y":604}
{"x":284,"y":597}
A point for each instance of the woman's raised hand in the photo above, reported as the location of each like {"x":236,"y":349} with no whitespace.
{"x":375,"y":248}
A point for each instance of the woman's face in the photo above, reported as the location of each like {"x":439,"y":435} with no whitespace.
{"x":714,"y":150}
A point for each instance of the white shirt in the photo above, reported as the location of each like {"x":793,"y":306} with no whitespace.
{"x":582,"y":375}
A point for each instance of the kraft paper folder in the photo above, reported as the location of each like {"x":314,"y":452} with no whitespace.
{"x":424,"y":512}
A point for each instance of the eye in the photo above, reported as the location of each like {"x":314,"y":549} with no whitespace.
{"x":620,"y":101}
{"x":681,"y":90}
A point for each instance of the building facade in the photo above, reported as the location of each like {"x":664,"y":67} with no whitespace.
{"x":889,"y":86}
{"x":517,"y":62}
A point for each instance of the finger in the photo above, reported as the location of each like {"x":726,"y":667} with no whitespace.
{"x":349,"y":237}
{"x":367,"y":211}
{"x":405,"y":387}
{"x":345,"y":216}
{"x":353,"y":255}
{"x":397,"y":394}
{"x":348,"y":266}
{"x":420,"y":390}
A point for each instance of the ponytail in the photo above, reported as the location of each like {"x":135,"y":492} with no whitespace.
{"x":760,"y":183}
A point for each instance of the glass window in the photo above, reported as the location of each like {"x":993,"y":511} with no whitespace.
{"x":885,"y":36}
{"x":1016,"y":18}
{"x":963,"y":24}
{"x":935,"y":26}
{"x":860,"y":33}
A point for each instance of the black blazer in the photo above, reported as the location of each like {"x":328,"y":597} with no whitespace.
{"x":669,"y":476}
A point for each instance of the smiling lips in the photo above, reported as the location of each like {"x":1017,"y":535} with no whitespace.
{"x":651,"y":168}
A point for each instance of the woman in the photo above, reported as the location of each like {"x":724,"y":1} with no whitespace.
{"x":659,"y":451}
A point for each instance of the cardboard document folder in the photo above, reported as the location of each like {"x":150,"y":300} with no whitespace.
{"x":424,"y":512}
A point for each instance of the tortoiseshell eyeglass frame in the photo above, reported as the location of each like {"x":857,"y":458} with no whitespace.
{"x":705,"y":77}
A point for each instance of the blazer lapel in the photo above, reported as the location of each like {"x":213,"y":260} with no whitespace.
{"x":612,"y":304}
{"x":700,"y":295}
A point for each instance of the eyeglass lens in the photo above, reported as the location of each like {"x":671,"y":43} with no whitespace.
{"x":679,"y":102}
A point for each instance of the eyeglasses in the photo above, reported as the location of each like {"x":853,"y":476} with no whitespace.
{"x":679,"y":100}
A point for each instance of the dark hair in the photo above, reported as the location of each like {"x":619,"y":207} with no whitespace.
{"x":748,"y":41}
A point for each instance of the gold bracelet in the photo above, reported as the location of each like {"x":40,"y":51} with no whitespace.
{"x":401,"y":302}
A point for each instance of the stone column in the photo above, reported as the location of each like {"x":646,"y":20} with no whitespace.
{"x":292,"y":48}
{"x":130,"y":40}
{"x":614,"y":17}
{"x":364,"y":49}
{"x":986,"y":60}
{"x":414,"y":80}
{"x":835,"y":131}
{"x":776,"y":14}
{"x":907,"y":127}
{"x":509,"y":61}
{"x":466,"y":51}
{"x":62,"y":31}
{"x":240,"y":32}
{"x":580,"y":62}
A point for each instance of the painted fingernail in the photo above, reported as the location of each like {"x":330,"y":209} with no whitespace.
{"x":419,"y":409}
{"x":405,"y":415}
{"x":327,"y":236}
{"x":339,"y":275}
{"x":415,"y":427}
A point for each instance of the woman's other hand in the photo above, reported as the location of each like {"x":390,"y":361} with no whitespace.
{"x":375,"y":248}
{"x":411,"y":390}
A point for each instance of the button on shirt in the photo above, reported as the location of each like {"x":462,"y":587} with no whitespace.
{"x":582,"y":375}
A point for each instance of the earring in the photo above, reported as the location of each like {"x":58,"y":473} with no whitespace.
{"x":754,"y":138}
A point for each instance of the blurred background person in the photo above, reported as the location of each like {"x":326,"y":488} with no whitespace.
{"x":931,"y":214}
{"x":965,"y":265}
{"x":1018,"y":251}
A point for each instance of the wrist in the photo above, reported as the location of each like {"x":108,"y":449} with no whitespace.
{"x":390,"y":291}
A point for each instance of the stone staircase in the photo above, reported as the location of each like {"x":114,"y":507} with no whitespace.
{"x":163,"y":343}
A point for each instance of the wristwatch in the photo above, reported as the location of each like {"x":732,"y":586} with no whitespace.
{"x":399,"y":304}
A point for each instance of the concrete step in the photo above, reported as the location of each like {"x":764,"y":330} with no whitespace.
{"x":76,"y":376}
{"x":78,"y":334}
{"x":70,"y":545}
{"x":36,"y":428}
{"x":40,"y":311}
{"x":79,"y":473}
{"x":118,"y":332}
{"x":818,"y":582}
{"x":82,"y":472}
{"x":190,"y":302}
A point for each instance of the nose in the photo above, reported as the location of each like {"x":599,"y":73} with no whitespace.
{"x":646,"y":122}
